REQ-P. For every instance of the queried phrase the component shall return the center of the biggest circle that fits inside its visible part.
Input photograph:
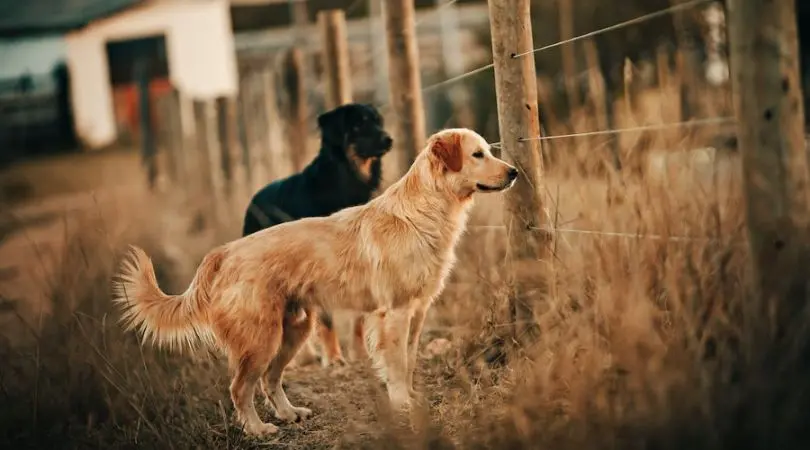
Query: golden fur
(256, 297)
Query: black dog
(346, 172)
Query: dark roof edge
(26, 30)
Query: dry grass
(644, 342)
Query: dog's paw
(335, 363)
(401, 403)
(295, 414)
(416, 397)
(261, 429)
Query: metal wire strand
(617, 26)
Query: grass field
(644, 342)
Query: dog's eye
(478, 154)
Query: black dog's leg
(326, 328)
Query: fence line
(619, 234)
(620, 25)
(664, 126)
(617, 26)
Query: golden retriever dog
(257, 298)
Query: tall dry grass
(649, 334)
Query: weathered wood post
(272, 159)
(148, 145)
(226, 160)
(405, 84)
(335, 45)
(770, 114)
(169, 113)
(214, 152)
(199, 154)
(297, 94)
(379, 61)
(518, 119)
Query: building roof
(29, 17)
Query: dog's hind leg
(249, 369)
(294, 336)
(387, 339)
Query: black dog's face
(356, 127)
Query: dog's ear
(447, 149)
(333, 127)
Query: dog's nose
(513, 173)
(387, 141)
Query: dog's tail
(167, 320)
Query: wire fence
(703, 122)
(618, 26)
(694, 123)
(608, 233)
(657, 127)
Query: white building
(196, 35)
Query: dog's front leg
(417, 321)
(387, 339)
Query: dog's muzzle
(511, 176)
(386, 143)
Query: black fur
(331, 182)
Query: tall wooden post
(174, 138)
(404, 80)
(518, 118)
(148, 145)
(379, 57)
(770, 114)
(335, 45)
(226, 159)
(296, 90)
(272, 159)
(301, 29)
(198, 156)
(240, 117)
(214, 150)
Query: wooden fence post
(215, 166)
(770, 114)
(296, 89)
(271, 157)
(336, 69)
(379, 61)
(518, 118)
(148, 145)
(226, 159)
(403, 78)
(241, 129)
(171, 135)
(199, 154)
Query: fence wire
(616, 234)
(635, 21)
